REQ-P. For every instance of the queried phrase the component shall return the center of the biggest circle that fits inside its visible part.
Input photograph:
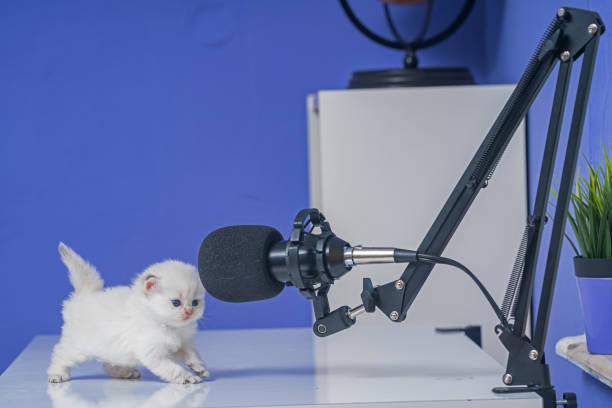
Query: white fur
(125, 326)
(83, 276)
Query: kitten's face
(174, 292)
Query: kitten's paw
(187, 379)
(200, 370)
(58, 378)
(122, 372)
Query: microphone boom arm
(574, 33)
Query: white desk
(407, 366)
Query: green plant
(591, 215)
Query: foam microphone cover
(233, 263)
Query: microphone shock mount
(312, 239)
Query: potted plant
(591, 221)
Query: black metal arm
(574, 33)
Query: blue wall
(131, 129)
(516, 26)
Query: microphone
(251, 262)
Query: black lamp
(410, 75)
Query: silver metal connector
(359, 255)
(353, 313)
(348, 256)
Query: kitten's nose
(189, 310)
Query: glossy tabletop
(398, 366)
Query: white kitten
(150, 323)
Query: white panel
(314, 150)
(389, 159)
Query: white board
(383, 163)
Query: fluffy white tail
(83, 276)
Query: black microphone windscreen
(233, 263)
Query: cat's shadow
(262, 372)
(217, 374)
(146, 376)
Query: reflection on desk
(126, 393)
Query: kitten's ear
(150, 283)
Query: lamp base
(411, 77)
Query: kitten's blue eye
(195, 302)
(176, 302)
